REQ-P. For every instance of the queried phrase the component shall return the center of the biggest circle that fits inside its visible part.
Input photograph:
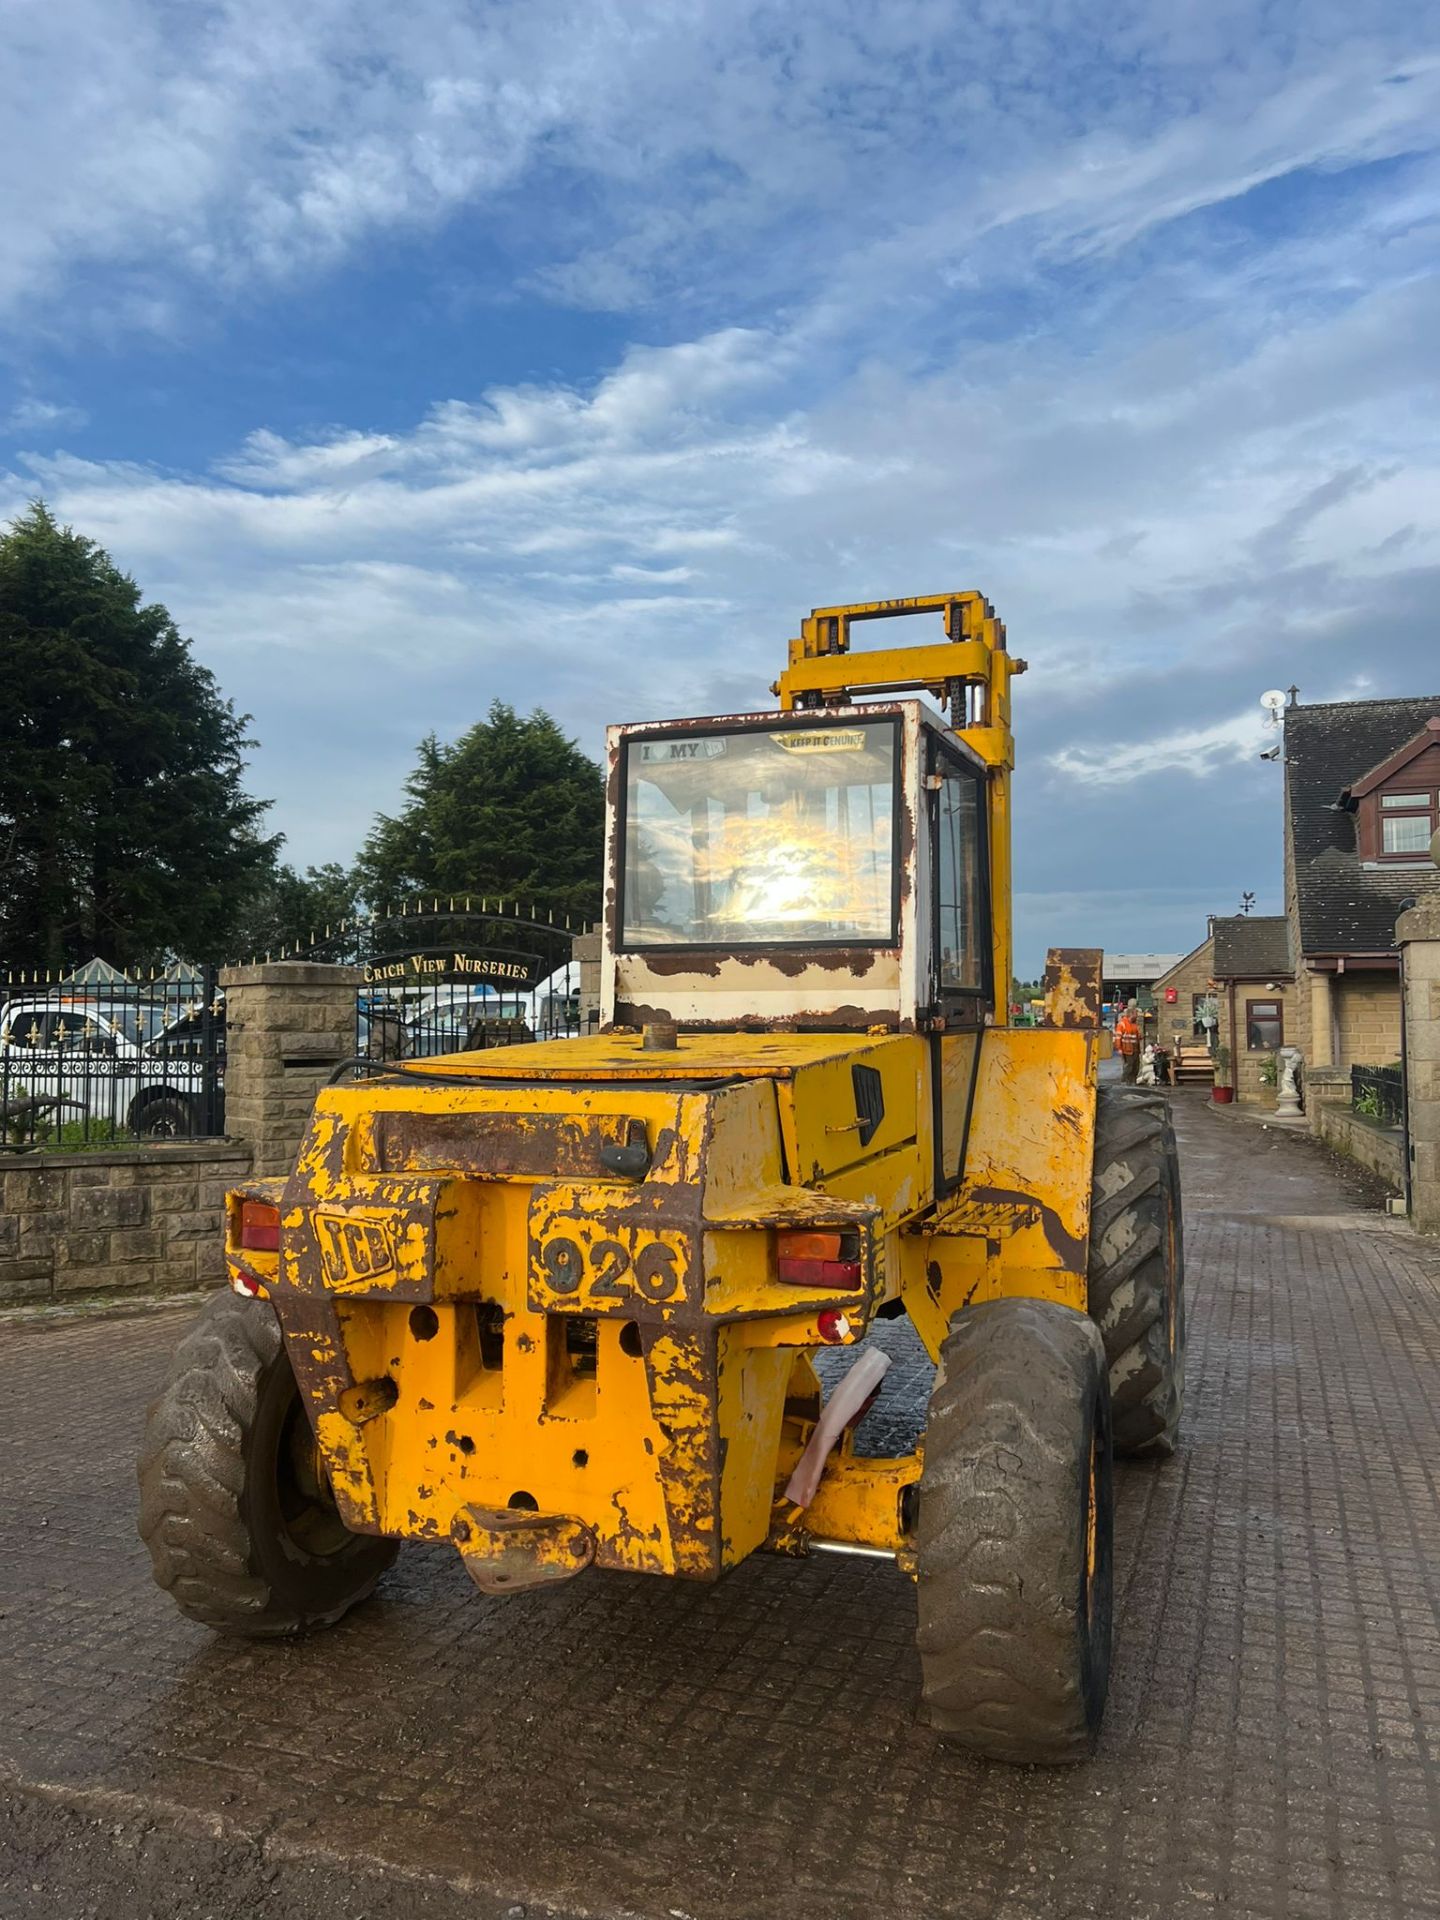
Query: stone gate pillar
(288, 1025)
(1417, 934)
(587, 957)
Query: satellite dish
(1273, 702)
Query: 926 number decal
(610, 1269)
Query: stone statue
(1287, 1106)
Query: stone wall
(1381, 1149)
(152, 1217)
(1418, 934)
(140, 1217)
(587, 957)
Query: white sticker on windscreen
(667, 752)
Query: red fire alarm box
(1172, 994)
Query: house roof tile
(1251, 947)
(1345, 906)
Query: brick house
(1243, 967)
(1181, 992)
(1362, 800)
(1255, 995)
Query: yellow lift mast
(562, 1304)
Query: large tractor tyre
(1137, 1267)
(1013, 1534)
(235, 1506)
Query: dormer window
(1397, 804)
(1407, 820)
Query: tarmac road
(628, 1747)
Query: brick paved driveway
(624, 1746)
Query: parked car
(68, 1057)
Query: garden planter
(1222, 1096)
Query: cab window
(961, 931)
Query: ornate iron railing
(110, 1061)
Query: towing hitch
(508, 1549)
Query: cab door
(962, 964)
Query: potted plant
(1222, 1093)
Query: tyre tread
(192, 1473)
(998, 1633)
(1136, 1175)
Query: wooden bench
(1194, 1066)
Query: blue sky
(570, 352)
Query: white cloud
(32, 415)
(1193, 750)
(266, 460)
(222, 147)
(931, 296)
(645, 540)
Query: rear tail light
(829, 1258)
(259, 1227)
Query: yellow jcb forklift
(559, 1304)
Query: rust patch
(314, 1348)
(1072, 987)
(506, 1551)
(368, 1399)
(636, 1013)
(667, 963)
(613, 797)
(544, 1146)
(907, 846)
(682, 1373)
(846, 1019)
(792, 962)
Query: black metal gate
(99, 1058)
(453, 975)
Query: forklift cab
(802, 870)
(838, 865)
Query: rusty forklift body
(559, 1303)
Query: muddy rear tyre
(1014, 1534)
(1137, 1266)
(242, 1530)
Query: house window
(1264, 1025)
(1407, 821)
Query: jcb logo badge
(354, 1252)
